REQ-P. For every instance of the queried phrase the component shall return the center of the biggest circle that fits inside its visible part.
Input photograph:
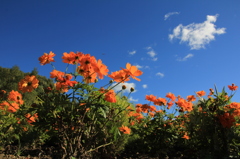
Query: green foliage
(83, 124)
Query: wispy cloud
(185, 58)
(160, 74)
(197, 35)
(128, 85)
(149, 48)
(133, 100)
(141, 66)
(138, 66)
(144, 86)
(166, 16)
(152, 53)
(132, 52)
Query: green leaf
(103, 112)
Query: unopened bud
(124, 87)
(211, 90)
(131, 89)
(111, 81)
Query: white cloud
(138, 66)
(128, 85)
(197, 35)
(160, 74)
(185, 58)
(141, 67)
(166, 16)
(149, 48)
(144, 86)
(132, 52)
(151, 53)
(133, 100)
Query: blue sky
(181, 46)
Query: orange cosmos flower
(11, 107)
(145, 107)
(171, 96)
(138, 116)
(160, 101)
(89, 75)
(151, 114)
(170, 104)
(125, 129)
(101, 69)
(150, 98)
(61, 87)
(46, 58)
(87, 61)
(132, 123)
(235, 106)
(64, 83)
(132, 71)
(184, 105)
(28, 84)
(90, 79)
(31, 118)
(71, 58)
(57, 74)
(16, 97)
(227, 120)
(185, 136)
(152, 108)
(191, 98)
(201, 93)
(119, 76)
(233, 87)
(110, 96)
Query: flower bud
(124, 87)
(131, 89)
(211, 90)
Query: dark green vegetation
(82, 124)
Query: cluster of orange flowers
(63, 80)
(145, 108)
(14, 99)
(227, 120)
(124, 74)
(88, 67)
(185, 105)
